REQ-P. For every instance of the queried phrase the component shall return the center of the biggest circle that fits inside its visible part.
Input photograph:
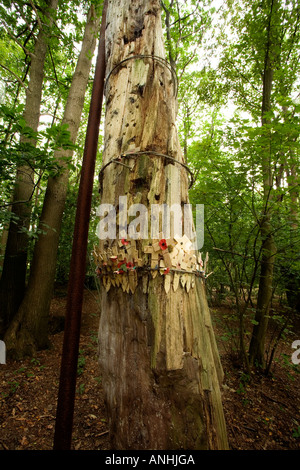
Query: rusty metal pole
(68, 372)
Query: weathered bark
(158, 357)
(265, 289)
(12, 284)
(29, 330)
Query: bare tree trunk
(29, 330)
(158, 357)
(12, 284)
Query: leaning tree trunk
(159, 362)
(12, 284)
(29, 329)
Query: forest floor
(263, 414)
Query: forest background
(237, 64)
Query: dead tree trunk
(158, 357)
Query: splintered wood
(119, 265)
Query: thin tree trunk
(158, 357)
(265, 290)
(293, 186)
(292, 282)
(29, 331)
(4, 236)
(12, 284)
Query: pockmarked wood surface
(160, 366)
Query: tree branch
(36, 13)
(232, 253)
(15, 75)
(27, 52)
